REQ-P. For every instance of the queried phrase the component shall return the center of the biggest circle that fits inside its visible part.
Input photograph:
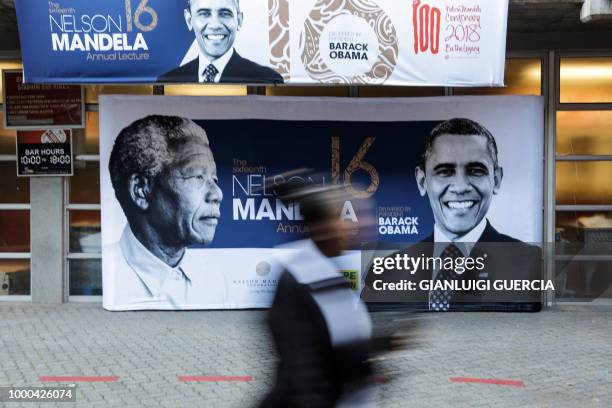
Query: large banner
(190, 217)
(378, 42)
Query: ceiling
(7, 16)
(549, 24)
(532, 24)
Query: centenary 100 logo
(426, 26)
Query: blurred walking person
(322, 330)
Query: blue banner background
(167, 42)
(281, 146)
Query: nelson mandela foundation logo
(261, 283)
(349, 42)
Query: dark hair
(235, 1)
(145, 147)
(317, 202)
(459, 127)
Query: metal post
(48, 274)
(551, 92)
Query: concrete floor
(558, 358)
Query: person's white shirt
(342, 309)
(135, 279)
(142, 279)
(219, 63)
(464, 243)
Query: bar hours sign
(44, 153)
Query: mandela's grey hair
(145, 147)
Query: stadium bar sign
(40, 106)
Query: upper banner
(378, 42)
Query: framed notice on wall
(44, 153)
(36, 106)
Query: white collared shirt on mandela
(201, 283)
(142, 279)
(220, 63)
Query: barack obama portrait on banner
(460, 175)
(215, 24)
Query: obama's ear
(187, 15)
(498, 175)
(419, 174)
(240, 20)
(139, 188)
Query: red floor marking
(378, 379)
(214, 378)
(49, 378)
(511, 383)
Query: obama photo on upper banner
(215, 24)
